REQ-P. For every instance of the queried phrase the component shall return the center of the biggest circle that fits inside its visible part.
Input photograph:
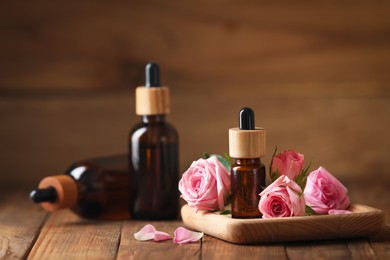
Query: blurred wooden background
(316, 74)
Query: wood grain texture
(20, 223)
(357, 248)
(214, 248)
(380, 243)
(66, 236)
(152, 101)
(318, 250)
(130, 248)
(363, 222)
(346, 136)
(247, 143)
(73, 45)
(360, 248)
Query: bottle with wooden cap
(246, 147)
(95, 188)
(153, 152)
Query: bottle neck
(247, 161)
(153, 119)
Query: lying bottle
(94, 188)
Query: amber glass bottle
(153, 153)
(246, 146)
(95, 188)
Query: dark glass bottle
(246, 146)
(153, 153)
(248, 181)
(94, 188)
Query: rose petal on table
(184, 236)
(146, 233)
(161, 236)
(339, 212)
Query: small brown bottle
(246, 147)
(153, 153)
(95, 188)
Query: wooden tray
(363, 221)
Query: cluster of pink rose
(206, 186)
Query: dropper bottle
(246, 147)
(153, 152)
(95, 188)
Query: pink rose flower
(289, 163)
(324, 192)
(282, 199)
(206, 185)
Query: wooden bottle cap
(152, 100)
(246, 143)
(67, 192)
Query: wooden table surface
(26, 231)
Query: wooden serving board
(363, 221)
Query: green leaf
(225, 212)
(206, 155)
(228, 158)
(310, 211)
(274, 175)
(302, 176)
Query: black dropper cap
(247, 119)
(152, 75)
(44, 195)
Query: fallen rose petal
(339, 212)
(146, 233)
(161, 236)
(149, 232)
(184, 236)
